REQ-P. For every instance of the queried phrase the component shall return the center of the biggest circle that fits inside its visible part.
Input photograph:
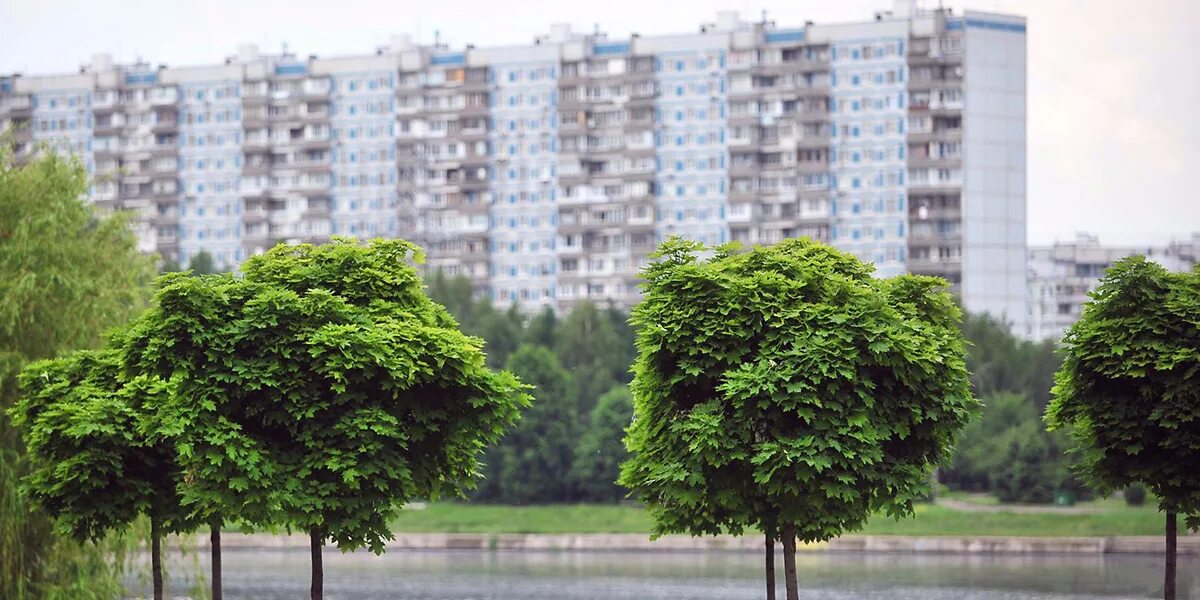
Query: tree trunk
(318, 573)
(1169, 581)
(156, 558)
(216, 559)
(789, 562)
(770, 567)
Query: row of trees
(782, 389)
(1007, 451)
(321, 391)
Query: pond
(474, 575)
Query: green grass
(930, 520)
(983, 499)
(939, 520)
(555, 518)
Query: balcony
(254, 215)
(934, 266)
(933, 186)
(314, 89)
(926, 161)
(18, 108)
(164, 148)
(950, 78)
(164, 96)
(946, 134)
(165, 126)
(314, 116)
(256, 142)
(110, 127)
(104, 102)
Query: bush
(1135, 495)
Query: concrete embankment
(1188, 545)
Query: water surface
(511, 575)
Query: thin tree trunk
(216, 559)
(770, 567)
(1169, 581)
(789, 562)
(156, 558)
(318, 573)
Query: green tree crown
(322, 390)
(96, 460)
(1129, 388)
(786, 385)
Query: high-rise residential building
(548, 172)
(1061, 276)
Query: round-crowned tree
(322, 390)
(786, 389)
(97, 459)
(1129, 389)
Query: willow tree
(97, 461)
(786, 389)
(55, 296)
(321, 391)
(1129, 390)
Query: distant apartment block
(1061, 276)
(547, 172)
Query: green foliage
(500, 330)
(1102, 518)
(202, 264)
(543, 329)
(1135, 495)
(456, 294)
(600, 451)
(97, 462)
(595, 346)
(55, 296)
(321, 391)
(589, 345)
(1026, 471)
(1129, 389)
(1008, 452)
(66, 274)
(1000, 362)
(787, 386)
(533, 462)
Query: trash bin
(1065, 498)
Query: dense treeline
(568, 445)
(1007, 451)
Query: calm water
(453, 575)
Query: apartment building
(548, 172)
(1062, 275)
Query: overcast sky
(1114, 87)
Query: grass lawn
(1113, 519)
(939, 520)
